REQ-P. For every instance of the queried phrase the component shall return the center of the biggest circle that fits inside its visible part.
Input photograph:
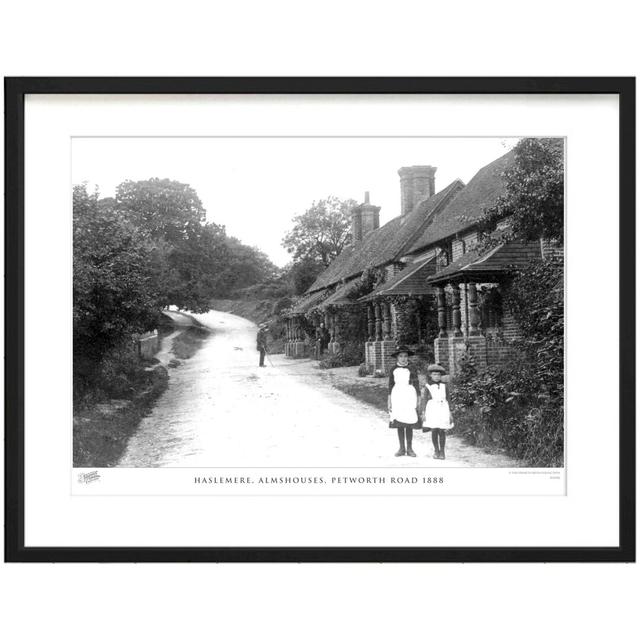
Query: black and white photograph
(345, 317)
(318, 302)
(312, 307)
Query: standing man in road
(261, 342)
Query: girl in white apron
(404, 391)
(437, 415)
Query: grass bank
(101, 430)
(255, 310)
(375, 396)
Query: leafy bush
(417, 321)
(488, 412)
(119, 374)
(281, 305)
(369, 279)
(520, 405)
(535, 297)
(363, 370)
(350, 355)
(534, 191)
(332, 361)
(269, 290)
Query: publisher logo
(88, 477)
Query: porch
(472, 317)
(399, 311)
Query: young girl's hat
(402, 349)
(435, 368)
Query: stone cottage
(428, 284)
(375, 252)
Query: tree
(533, 201)
(321, 232)
(244, 266)
(115, 268)
(145, 249)
(302, 274)
(193, 253)
(534, 191)
(194, 268)
(166, 208)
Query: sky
(255, 186)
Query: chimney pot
(416, 183)
(365, 218)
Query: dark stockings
(434, 439)
(409, 434)
(439, 439)
(443, 439)
(403, 433)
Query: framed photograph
(320, 319)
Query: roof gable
(386, 244)
(468, 206)
(501, 258)
(411, 281)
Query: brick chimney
(416, 183)
(364, 218)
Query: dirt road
(222, 410)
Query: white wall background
(329, 38)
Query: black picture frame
(15, 91)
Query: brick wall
(457, 249)
(498, 350)
(551, 249)
(441, 352)
(500, 339)
(470, 240)
(378, 355)
(463, 244)
(510, 327)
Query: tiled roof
(468, 206)
(411, 281)
(340, 296)
(304, 304)
(386, 244)
(498, 259)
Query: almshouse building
(420, 279)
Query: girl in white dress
(437, 415)
(402, 402)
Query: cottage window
(443, 257)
